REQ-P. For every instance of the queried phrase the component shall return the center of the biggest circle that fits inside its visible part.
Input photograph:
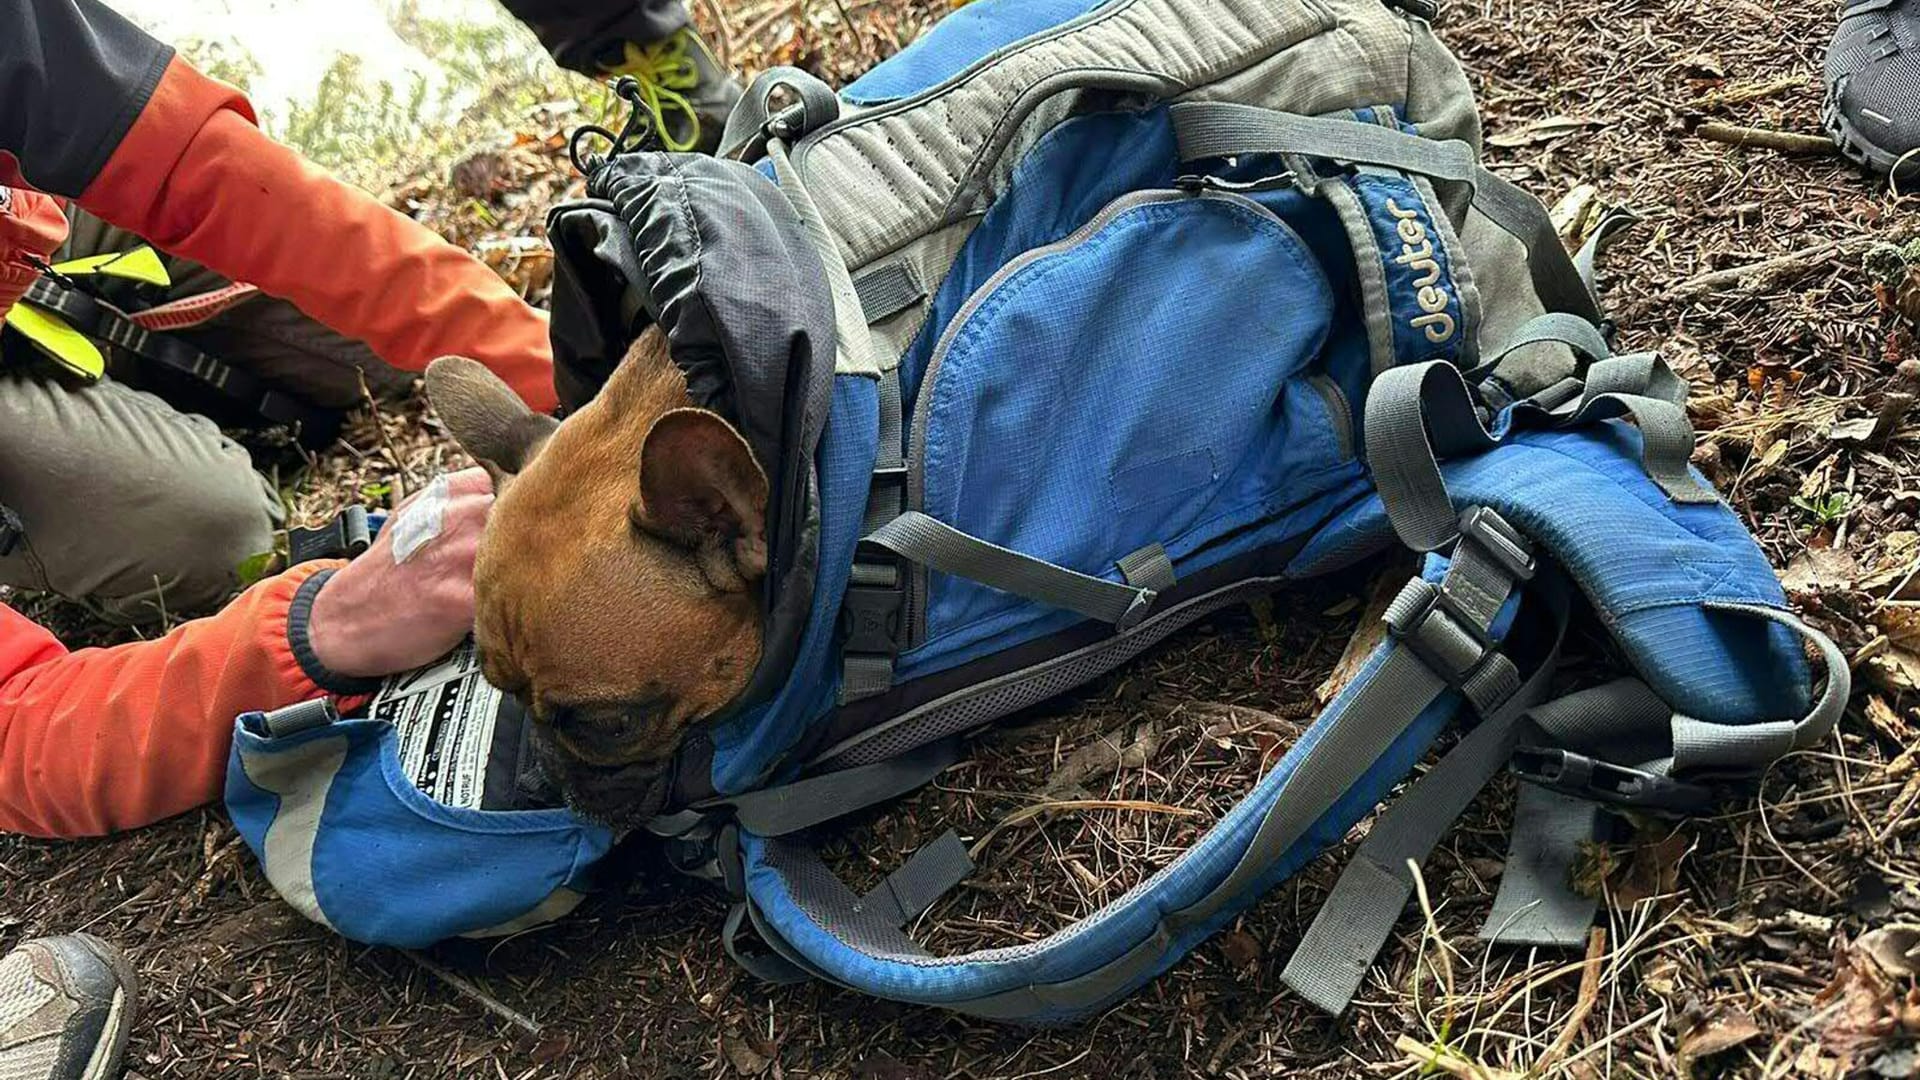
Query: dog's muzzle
(619, 797)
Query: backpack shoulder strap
(1443, 649)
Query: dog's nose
(611, 735)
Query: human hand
(407, 600)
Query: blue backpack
(1067, 326)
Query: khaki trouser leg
(129, 506)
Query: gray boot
(66, 1005)
(1873, 85)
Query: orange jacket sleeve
(194, 176)
(104, 739)
(32, 226)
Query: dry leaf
(1895, 671)
(1113, 750)
(1542, 131)
(748, 1052)
(1575, 213)
(1894, 568)
(1386, 585)
(1241, 950)
(1900, 621)
(1866, 1007)
(1895, 948)
(1716, 1036)
(1653, 869)
(1888, 722)
(1817, 570)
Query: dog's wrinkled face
(617, 581)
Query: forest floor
(1773, 939)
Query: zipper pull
(1201, 183)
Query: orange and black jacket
(94, 110)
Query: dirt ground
(1734, 945)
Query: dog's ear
(485, 416)
(700, 486)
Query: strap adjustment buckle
(1582, 776)
(1432, 627)
(1504, 543)
(343, 537)
(870, 618)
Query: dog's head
(617, 581)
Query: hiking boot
(1873, 85)
(66, 1005)
(682, 84)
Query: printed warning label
(445, 715)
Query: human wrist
(321, 639)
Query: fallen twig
(1744, 92)
(1768, 273)
(1787, 142)
(470, 990)
(1583, 1005)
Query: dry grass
(1729, 943)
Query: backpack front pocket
(1144, 380)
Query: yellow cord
(664, 70)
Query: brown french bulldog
(616, 582)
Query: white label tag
(444, 715)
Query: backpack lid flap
(712, 253)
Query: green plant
(1823, 511)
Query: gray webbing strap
(763, 963)
(935, 544)
(1416, 415)
(1643, 386)
(1536, 903)
(1378, 711)
(1222, 129)
(802, 804)
(1446, 625)
(753, 120)
(1148, 568)
(853, 345)
(1700, 744)
(1419, 414)
(1626, 722)
(1576, 333)
(875, 604)
(1358, 916)
(921, 880)
(888, 289)
(1610, 226)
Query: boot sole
(1860, 149)
(105, 1061)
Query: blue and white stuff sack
(411, 823)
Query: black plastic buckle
(344, 537)
(1584, 777)
(870, 619)
(13, 531)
